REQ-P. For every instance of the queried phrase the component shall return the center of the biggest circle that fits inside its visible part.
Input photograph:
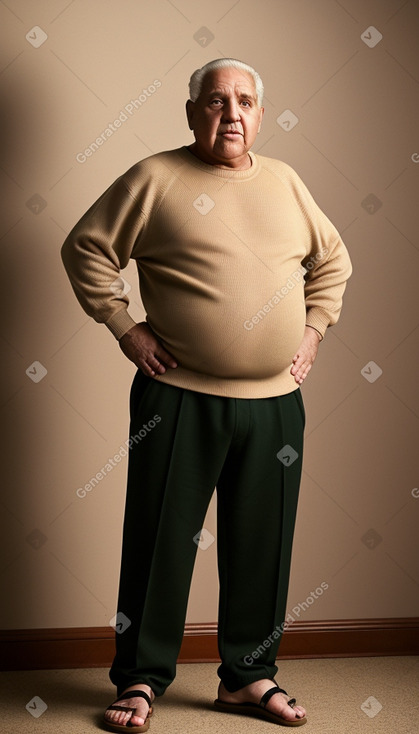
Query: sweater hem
(271, 387)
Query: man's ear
(262, 110)
(189, 113)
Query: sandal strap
(268, 695)
(121, 708)
(133, 694)
(271, 692)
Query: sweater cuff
(317, 319)
(120, 323)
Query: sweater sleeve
(96, 250)
(325, 282)
(327, 264)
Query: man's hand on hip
(142, 347)
(305, 355)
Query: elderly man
(240, 275)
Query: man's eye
(216, 102)
(246, 102)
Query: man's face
(225, 118)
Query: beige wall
(356, 136)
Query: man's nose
(231, 111)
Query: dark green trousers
(187, 443)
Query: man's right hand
(142, 347)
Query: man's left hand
(305, 355)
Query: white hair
(197, 78)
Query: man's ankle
(139, 686)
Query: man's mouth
(230, 133)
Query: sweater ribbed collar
(225, 173)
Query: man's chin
(230, 146)
(228, 153)
(230, 158)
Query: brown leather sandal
(110, 726)
(259, 709)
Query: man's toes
(114, 717)
(282, 708)
(299, 711)
(288, 713)
(122, 717)
(137, 720)
(119, 717)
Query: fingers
(301, 367)
(165, 357)
(157, 363)
(303, 359)
(151, 367)
(140, 345)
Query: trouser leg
(171, 477)
(257, 503)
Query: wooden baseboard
(93, 647)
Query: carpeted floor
(342, 696)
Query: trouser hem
(122, 685)
(235, 683)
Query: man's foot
(277, 704)
(142, 709)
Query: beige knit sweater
(232, 265)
